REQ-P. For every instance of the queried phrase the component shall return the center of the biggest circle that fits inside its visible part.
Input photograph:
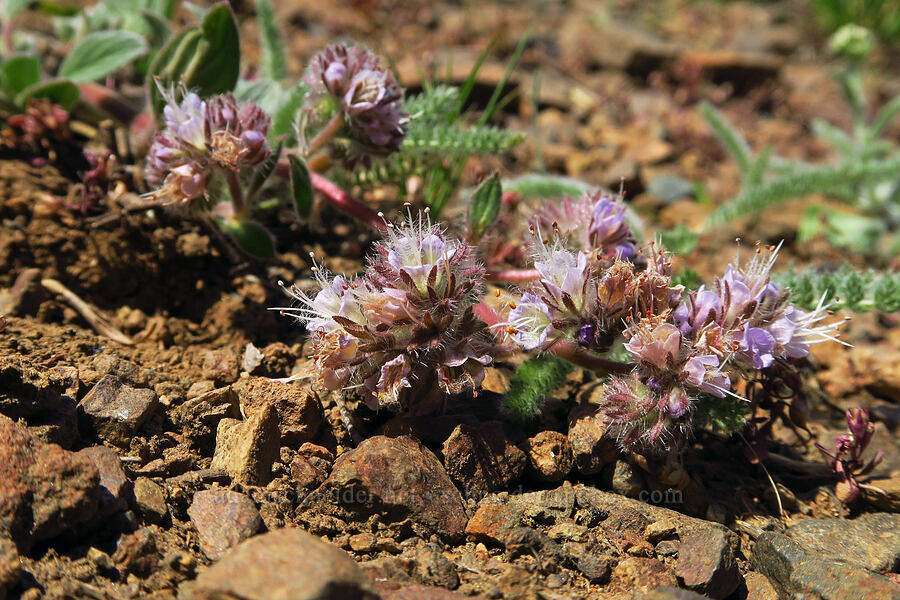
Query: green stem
(327, 133)
(237, 195)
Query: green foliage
(689, 278)
(845, 287)
(274, 60)
(301, 187)
(251, 237)
(867, 174)
(721, 414)
(203, 57)
(680, 240)
(484, 207)
(535, 379)
(881, 16)
(101, 54)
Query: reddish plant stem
(331, 129)
(513, 275)
(573, 353)
(109, 102)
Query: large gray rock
(286, 564)
(872, 541)
(398, 479)
(796, 573)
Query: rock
(434, 569)
(137, 553)
(9, 566)
(299, 410)
(666, 592)
(150, 499)
(395, 591)
(246, 450)
(221, 366)
(492, 523)
(592, 449)
(795, 573)
(363, 542)
(707, 562)
(198, 417)
(44, 490)
(871, 541)
(887, 497)
(198, 388)
(281, 565)
(481, 459)
(115, 489)
(44, 398)
(641, 575)
(567, 531)
(223, 519)
(758, 587)
(596, 568)
(397, 478)
(432, 430)
(305, 474)
(114, 411)
(549, 455)
(626, 480)
(25, 295)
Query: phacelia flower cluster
(596, 223)
(367, 94)
(405, 330)
(744, 324)
(201, 136)
(686, 348)
(847, 459)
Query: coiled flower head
(595, 223)
(200, 136)
(367, 94)
(405, 330)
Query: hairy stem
(328, 132)
(512, 275)
(574, 353)
(345, 202)
(237, 195)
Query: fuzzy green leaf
(61, 91)
(19, 72)
(274, 61)
(484, 207)
(533, 382)
(100, 54)
(733, 141)
(301, 186)
(251, 237)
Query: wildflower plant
(847, 461)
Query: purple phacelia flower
(200, 136)
(405, 331)
(367, 94)
(530, 322)
(643, 419)
(847, 461)
(595, 223)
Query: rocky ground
(168, 464)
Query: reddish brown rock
(481, 459)
(221, 366)
(282, 564)
(707, 562)
(198, 417)
(115, 489)
(150, 500)
(299, 410)
(9, 565)
(492, 523)
(44, 490)
(641, 574)
(137, 553)
(398, 479)
(592, 448)
(549, 455)
(223, 519)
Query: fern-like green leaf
(730, 137)
(453, 141)
(535, 379)
(803, 183)
(845, 287)
(437, 104)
